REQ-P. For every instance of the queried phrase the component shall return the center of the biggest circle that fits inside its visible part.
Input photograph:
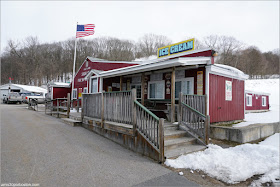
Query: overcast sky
(252, 22)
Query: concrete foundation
(244, 134)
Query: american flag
(85, 30)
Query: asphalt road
(40, 149)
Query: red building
(58, 90)
(195, 74)
(93, 66)
(256, 101)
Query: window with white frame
(156, 90)
(248, 100)
(85, 90)
(138, 90)
(263, 101)
(94, 88)
(185, 86)
(74, 93)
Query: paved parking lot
(36, 148)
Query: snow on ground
(263, 85)
(235, 164)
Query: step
(172, 134)
(174, 153)
(178, 143)
(71, 122)
(170, 126)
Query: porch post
(121, 82)
(173, 95)
(142, 88)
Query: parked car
(24, 96)
(40, 98)
(12, 97)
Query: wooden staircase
(177, 142)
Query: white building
(7, 88)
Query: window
(156, 90)
(263, 101)
(248, 100)
(74, 93)
(138, 90)
(94, 85)
(85, 90)
(184, 85)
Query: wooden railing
(58, 105)
(194, 121)
(198, 102)
(92, 105)
(118, 106)
(150, 127)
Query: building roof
(28, 88)
(227, 71)
(160, 63)
(257, 93)
(59, 84)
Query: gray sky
(252, 22)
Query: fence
(198, 102)
(122, 107)
(92, 105)
(118, 106)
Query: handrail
(147, 110)
(194, 110)
(150, 127)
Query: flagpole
(73, 75)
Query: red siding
(257, 102)
(79, 81)
(220, 109)
(60, 92)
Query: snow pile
(270, 86)
(153, 57)
(235, 164)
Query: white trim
(92, 71)
(74, 89)
(207, 88)
(217, 70)
(100, 84)
(249, 100)
(152, 82)
(91, 80)
(264, 99)
(52, 94)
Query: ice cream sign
(180, 47)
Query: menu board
(200, 83)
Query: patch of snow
(191, 171)
(235, 164)
(181, 173)
(73, 110)
(153, 57)
(270, 86)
